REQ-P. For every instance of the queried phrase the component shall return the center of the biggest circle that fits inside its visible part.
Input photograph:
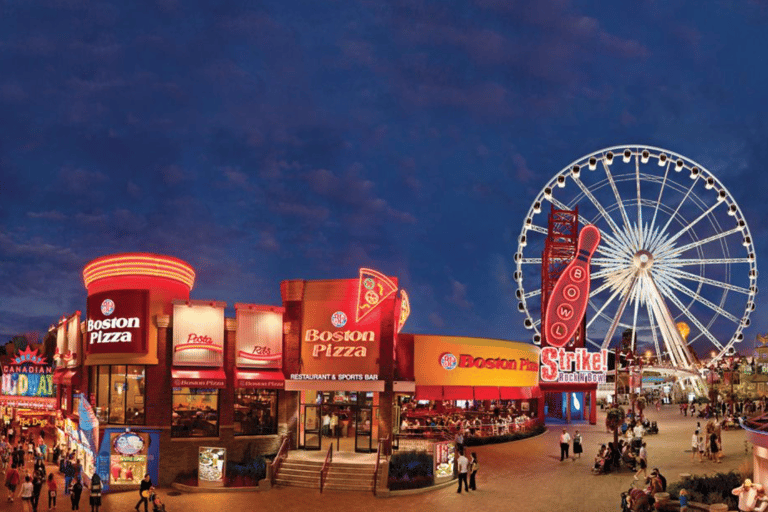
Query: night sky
(263, 141)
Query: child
(683, 500)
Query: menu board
(445, 453)
(211, 466)
(128, 457)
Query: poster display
(128, 457)
(445, 453)
(212, 463)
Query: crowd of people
(473, 422)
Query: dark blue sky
(263, 141)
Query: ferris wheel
(675, 251)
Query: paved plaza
(524, 475)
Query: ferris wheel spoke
(602, 262)
(674, 214)
(672, 338)
(605, 304)
(676, 251)
(671, 296)
(658, 201)
(681, 262)
(619, 201)
(528, 261)
(653, 331)
(687, 227)
(634, 316)
(619, 313)
(682, 274)
(600, 208)
(611, 252)
(537, 229)
(639, 199)
(674, 283)
(534, 293)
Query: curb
(196, 489)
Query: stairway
(342, 476)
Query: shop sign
(459, 361)
(128, 444)
(341, 338)
(259, 337)
(73, 340)
(28, 374)
(579, 365)
(128, 457)
(211, 466)
(117, 322)
(198, 335)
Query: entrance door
(312, 425)
(363, 421)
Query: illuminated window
(195, 412)
(255, 412)
(119, 391)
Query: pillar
(593, 407)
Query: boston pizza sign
(117, 322)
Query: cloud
(80, 181)
(458, 295)
(47, 215)
(436, 320)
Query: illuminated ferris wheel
(675, 249)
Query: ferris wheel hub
(643, 259)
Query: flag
(89, 423)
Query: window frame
(175, 435)
(95, 385)
(256, 391)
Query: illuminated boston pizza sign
(117, 322)
(579, 365)
(340, 336)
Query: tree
(613, 420)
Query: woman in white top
(26, 494)
(694, 446)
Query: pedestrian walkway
(524, 475)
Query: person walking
(77, 491)
(694, 445)
(473, 467)
(95, 489)
(37, 486)
(26, 494)
(144, 487)
(12, 479)
(463, 464)
(460, 440)
(69, 472)
(577, 448)
(714, 447)
(10, 434)
(642, 459)
(53, 488)
(565, 443)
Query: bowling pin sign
(568, 301)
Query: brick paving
(524, 475)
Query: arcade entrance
(348, 419)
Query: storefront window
(119, 391)
(255, 412)
(195, 412)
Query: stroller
(157, 504)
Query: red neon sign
(569, 298)
(373, 287)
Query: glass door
(363, 421)
(312, 426)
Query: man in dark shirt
(144, 487)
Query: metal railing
(282, 454)
(378, 457)
(326, 466)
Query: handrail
(378, 456)
(326, 466)
(282, 453)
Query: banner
(89, 423)
(259, 337)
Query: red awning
(429, 392)
(198, 378)
(508, 393)
(486, 393)
(458, 393)
(71, 378)
(260, 380)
